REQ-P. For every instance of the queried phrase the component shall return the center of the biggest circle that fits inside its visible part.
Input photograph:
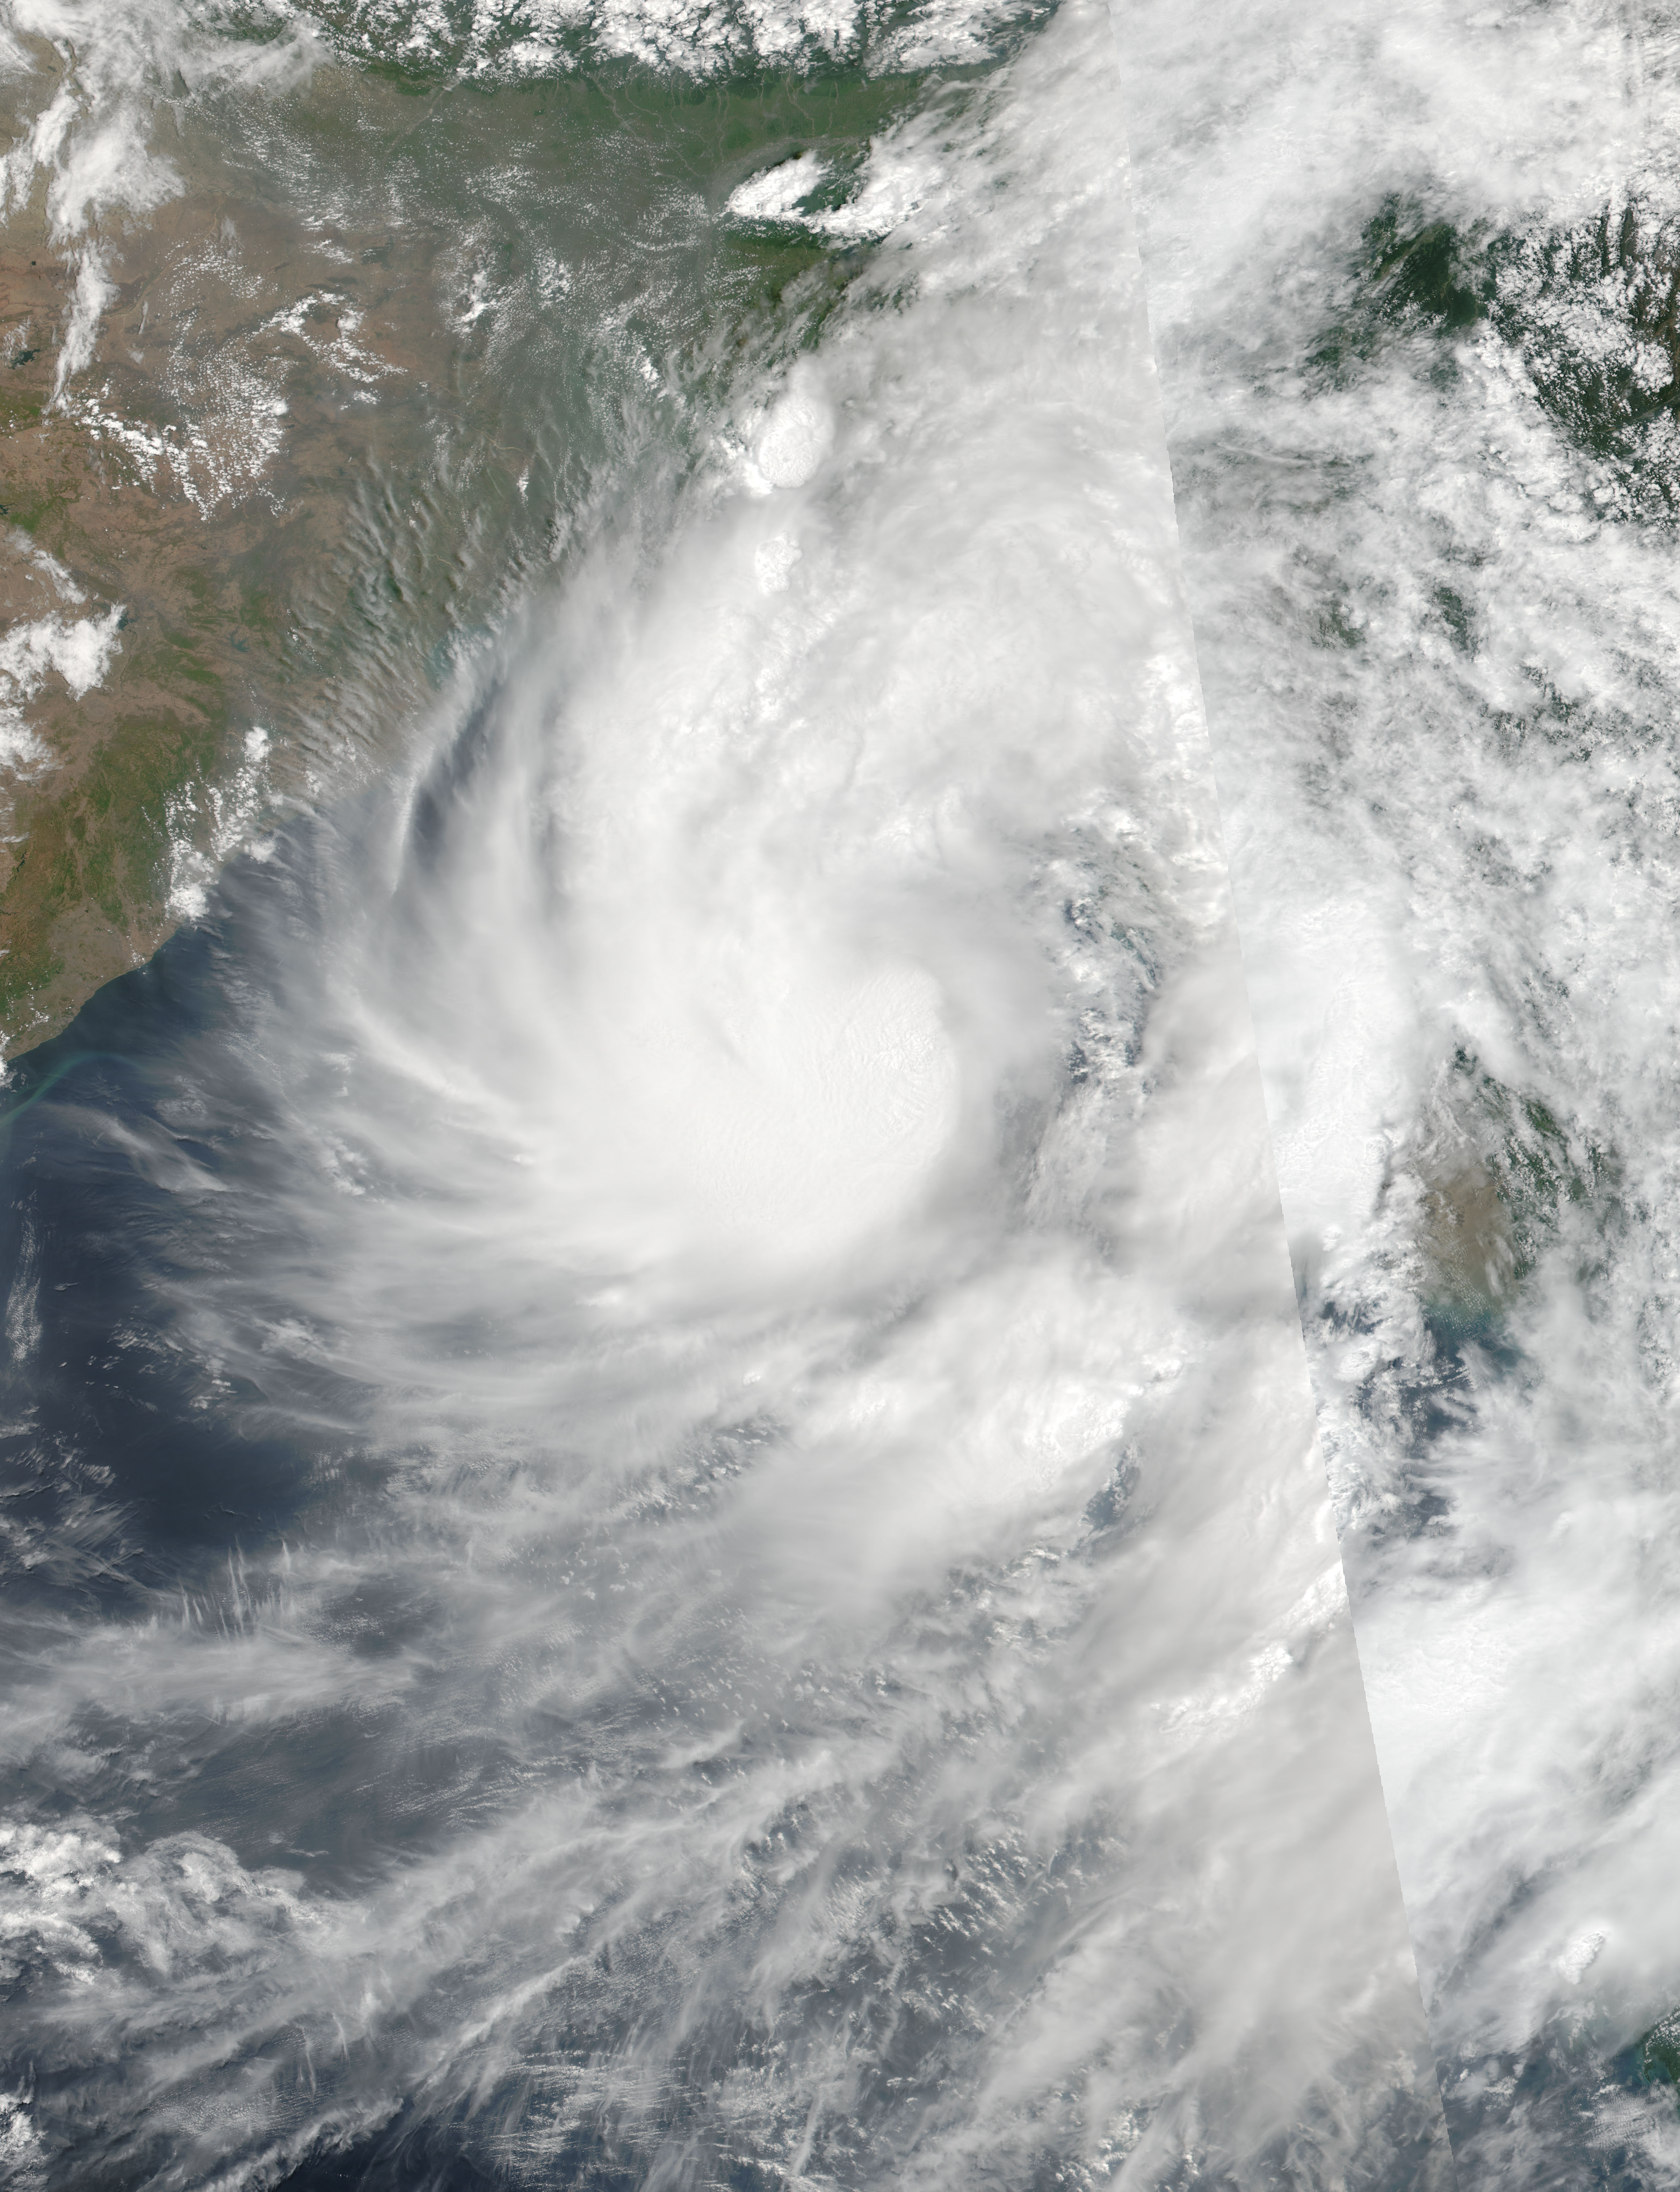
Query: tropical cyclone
(301, 387)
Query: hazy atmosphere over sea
(839, 1178)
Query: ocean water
(664, 1522)
(1410, 277)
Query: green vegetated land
(1593, 309)
(313, 460)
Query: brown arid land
(254, 394)
(334, 413)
